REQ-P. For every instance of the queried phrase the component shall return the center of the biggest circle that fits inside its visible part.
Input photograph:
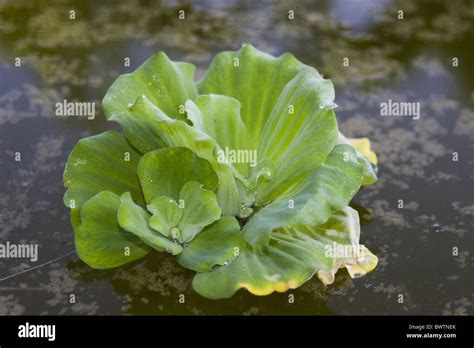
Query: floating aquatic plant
(243, 175)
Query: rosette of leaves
(161, 186)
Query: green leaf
(173, 132)
(133, 218)
(366, 157)
(228, 191)
(100, 242)
(255, 79)
(164, 172)
(165, 83)
(176, 133)
(218, 244)
(342, 234)
(200, 210)
(285, 110)
(104, 162)
(291, 258)
(75, 218)
(219, 117)
(329, 188)
(166, 215)
(290, 139)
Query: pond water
(425, 248)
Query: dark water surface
(405, 60)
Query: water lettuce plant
(180, 179)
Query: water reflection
(155, 284)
